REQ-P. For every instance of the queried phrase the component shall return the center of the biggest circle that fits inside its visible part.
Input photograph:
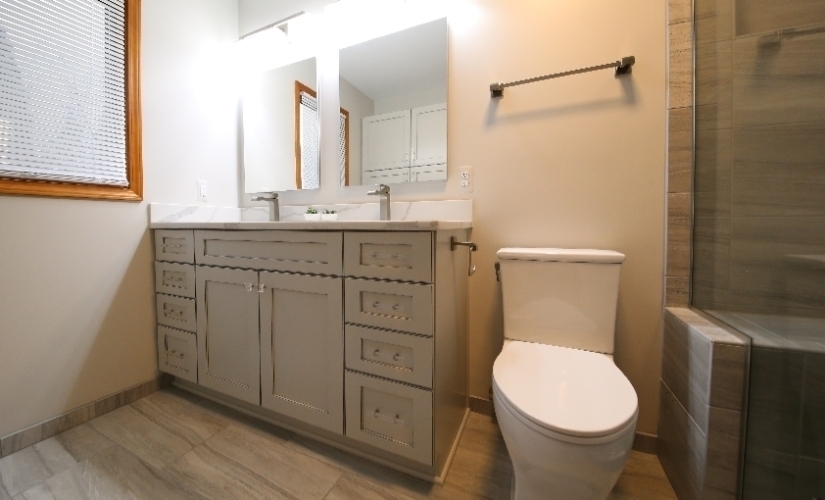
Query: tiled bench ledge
(702, 402)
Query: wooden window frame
(134, 148)
(300, 87)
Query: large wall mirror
(281, 130)
(393, 92)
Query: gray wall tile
(775, 400)
(762, 272)
(714, 164)
(810, 479)
(686, 369)
(680, 150)
(682, 447)
(677, 291)
(679, 11)
(680, 66)
(723, 452)
(813, 408)
(727, 386)
(758, 16)
(678, 234)
(714, 20)
(769, 475)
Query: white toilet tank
(562, 297)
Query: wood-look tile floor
(173, 445)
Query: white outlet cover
(466, 176)
(201, 192)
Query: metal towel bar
(623, 67)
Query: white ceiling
(401, 63)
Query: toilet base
(545, 468)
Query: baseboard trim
(40, 432)
(645, 443)
(482, 406)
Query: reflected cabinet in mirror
(281, 130)
(394, 90)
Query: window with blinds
(308, 155)
(64, 95)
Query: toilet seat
(568, 394)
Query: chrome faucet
(274, 212)
(384, 192)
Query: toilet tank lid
(562, 255)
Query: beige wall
(575, 162)
(76, 298)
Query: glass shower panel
(759, 223)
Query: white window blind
(310, 144)
(342, 148)
(62, 91)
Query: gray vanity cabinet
(302, 348)
(355, 337)
(228, 339)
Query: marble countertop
(342, 225)
(407, 216)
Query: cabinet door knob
(376, 352)
(261, 288)
(397, 357)
(248, 286)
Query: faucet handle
(272, 197)
(383, 189)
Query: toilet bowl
(566, 412)
(568, 418)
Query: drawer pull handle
(172, 246)
(376, 353)
(397, 357)
(378, 305)
(174, 354)
(392, 256)
(396, 420)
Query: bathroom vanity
(353, 333)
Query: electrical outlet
(466, 179)
(202, 191)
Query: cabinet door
(386, 141)
(429, 135)
(228, 339)
(429, 173)
(302, 348)
(394, 176)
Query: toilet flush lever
(471, 269)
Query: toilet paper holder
(471, 269)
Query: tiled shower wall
(760, 181)
(704, 365)
(680, 153)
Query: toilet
(567, 413)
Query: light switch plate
(202, 191)
(465, 180)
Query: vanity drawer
(394, 256)
(176, 312)
(399, 356)
(308, 252)
(175, 246)
(405, 307)
(175, 279)
(394, 417)
(178, 353)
